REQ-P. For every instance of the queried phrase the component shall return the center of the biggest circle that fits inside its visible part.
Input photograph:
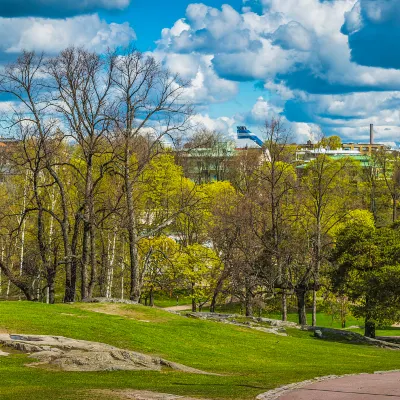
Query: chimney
(371, 134)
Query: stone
(266, 325)
(109, 300)
(81, 355)
(318, 334)
(351, 337)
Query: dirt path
(379, 386)
(178, 308)
(139, 395)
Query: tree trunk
(369, 329)
(317, 267)
(248, 304)
(284, 305)
(110, 272)
(132, 230)
(314, 308)
(25, 288)
(93, 261)
(2, 260)
(194, 307)
(123, 271)
(301, 305)
(216, 293)
(51, 289)
(151, 297)
(84, 263)
(71, 278)
(87, 238)
(70, 271)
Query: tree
(277, 178)
(366, 269)
(24, 80)
(331, 142)
(149, 107)
(326, 187)
(199, 268)
(82, 87)
(389, 164)
(157, 273)
(222, 229)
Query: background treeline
(101, 197)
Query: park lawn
(249, 361)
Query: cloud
(205, 86)
(293, 36)
(349, 115)
(56, 8)
(310, 56)
(261, 111)
(51, 35)
(223, 125)
(373, 30)
(208, 30)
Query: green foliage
(198, 268)
(333, 142)
(367, 269)
(157, 256)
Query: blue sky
(150, 17)
(328, 66)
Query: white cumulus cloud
(50, 35)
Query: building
(365, 148)
(212, 160)
(360, 151)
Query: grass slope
(252, 362)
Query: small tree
(199, 268)
(331, 142)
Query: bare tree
(81, 84)
(327, 190)
(277, 179)
(34, 126)
(149, 107)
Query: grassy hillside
(251, 362)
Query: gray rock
(81, 355)
(261, 324)
(109, 300)
(318, 334)
(351, 337)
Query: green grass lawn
(173, 301)
(250, 362)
